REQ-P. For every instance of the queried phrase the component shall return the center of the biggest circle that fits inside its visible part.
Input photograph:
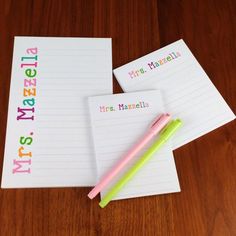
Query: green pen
(165, 134)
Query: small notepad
(48, 141)
(118, 122)
(187, 90)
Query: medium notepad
(187, 91)
(118, 122)
(48, 141)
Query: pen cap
(159, 123)
(170, 129)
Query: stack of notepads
(66, 128)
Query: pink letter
(19, 164)
(131, 74)
(32, 50)
(31, 64)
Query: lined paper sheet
(187, 90)
(50, 145)
(117, 127)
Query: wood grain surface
(206, 166)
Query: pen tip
(178, 121)
(92, 194)
(101, 204)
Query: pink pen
(155, 127)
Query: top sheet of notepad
(48, 141)
(188, 92)
(118, 122)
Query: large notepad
(187, 90)
(48, 140)
(118, 122)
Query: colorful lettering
(154, 64)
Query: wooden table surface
(206, 166)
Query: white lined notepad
(188, 92)
(50, 145)
(116, 127)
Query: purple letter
(23, 113)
